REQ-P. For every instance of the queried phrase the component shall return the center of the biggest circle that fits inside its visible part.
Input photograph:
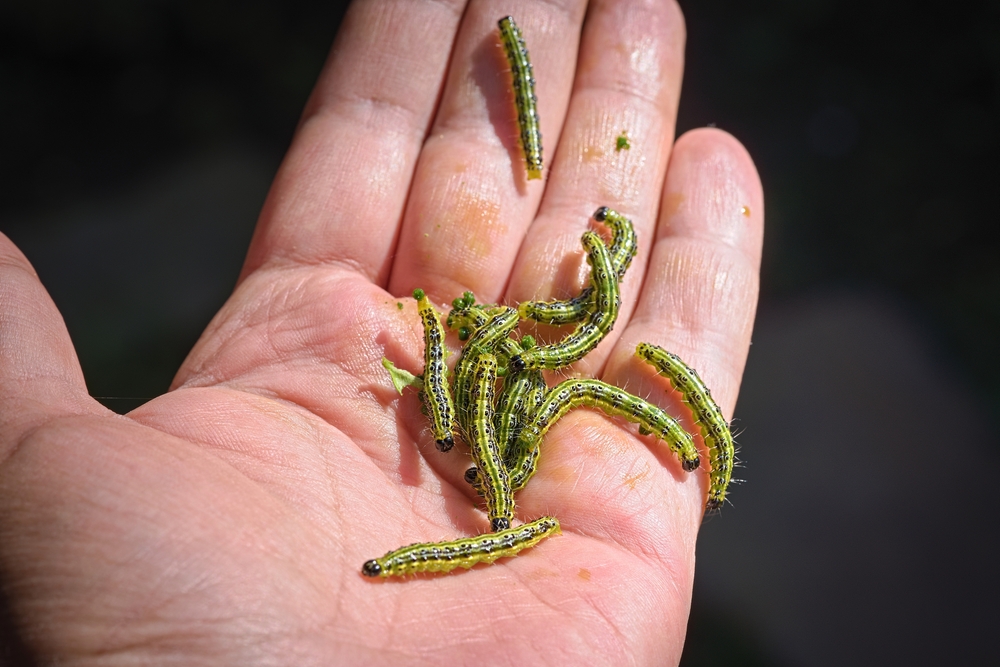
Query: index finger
(340, 191)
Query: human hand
(226, 521)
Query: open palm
(226, 521)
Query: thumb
(40, 375)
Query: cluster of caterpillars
(504, 430)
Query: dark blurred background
(139, 139)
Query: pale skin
(226, 521)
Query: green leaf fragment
(402, 379)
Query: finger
(628, 82)
(700, 292)
(339, 194)
(40, 376)
(698, 301)
(471, 200)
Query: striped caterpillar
(435, 394)
(523, 456)
(714, 429)
(485, 452)
(604, 307)
(465, 552)
(622, 249)
(524, 95)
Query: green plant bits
(622, 250)
(593, 329)
(714, 428)
(525, 101)
(610, 399)
(401, 379)
(464, 553)
(436, 394)
(485, 452)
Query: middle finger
(470, 201)
(627, 85)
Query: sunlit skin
(226, 522)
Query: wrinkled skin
(226, 521)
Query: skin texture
(226, 521)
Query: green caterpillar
(466, 552)
(435, 394)
(606, 302)
(567, 395)
(714, 428)
(522, 393)
(524, 95)
(622, 250)
(485, 452)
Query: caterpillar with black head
(436, 394)
(622, 250)
(465, 552)
(603, 312)
(485, 452)
(614, 401)
(714, 428)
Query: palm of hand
(227, 520)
